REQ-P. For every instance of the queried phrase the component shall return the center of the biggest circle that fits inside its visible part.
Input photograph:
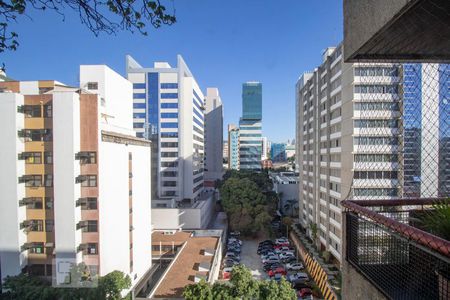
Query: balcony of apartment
(390, 253)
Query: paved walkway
(251, 259)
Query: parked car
(232, 255)
(264, 250)
(226, 273)
(281, 240)
(268, 254)
(294, 266)
(283, 249)
(235, 233)
(279, 270)
(230, 263)
(234, 240)
(281, 245)
(304, 292)
(298, 277)
(234, 249)
(286, 255)
(271, 259)
(268, 267)
(298, 285)
(277, 277)
(290, 259)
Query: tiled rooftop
(185, 268)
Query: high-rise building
(213, 135)
(426, 170)
(278, 152)
(225, 152)
(74, 178)
(347, 140)
(233, 147)
(168, 109)
(264, 153)
(250, 127)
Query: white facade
(213, 135)
(265, 149)
(337, 133)
(12, 259)
(168, 109)
(99, 122)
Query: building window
(170, 183)
(89, 181)
(91, 249)
(169, 105)
(37, 248)
(33, 181)
(48, 203)
(34, 203)
(48, 111)
(169, 125)
(169, 154)
(169, 85)
(89, 203)
(89, 158)
(169, 174)
(32, 111)
(138, 95)
(138, 85)
(169, 164)
(92, 85)
(33, 158)
(36, 225)
(91, 226)
(49, 225)
(48, 182)
(169, 95)
(48, 157)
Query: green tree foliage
(245, 205)
(244, 286)
(271, 290)
(108, 16)
(437, 220)
(27, 287)
(222, 291)
(111, 285)
(241, 286)
(199, 291)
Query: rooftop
(186, 264)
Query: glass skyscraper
(250, 127)
(278, 152)
(426, 122)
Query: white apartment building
(213, 136)
(335, 141)
(74, 178)
(168, 109)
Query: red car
(279, 270)
(278, 246)
(304, 292)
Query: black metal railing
(398, 258)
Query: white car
(285, 255)
(298, 276)
(294, 267)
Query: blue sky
(225, 43)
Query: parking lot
(251, 260)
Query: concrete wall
(12, 260)
(198, 217)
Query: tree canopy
(241, 286)
(245, 204)
(28, 287)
